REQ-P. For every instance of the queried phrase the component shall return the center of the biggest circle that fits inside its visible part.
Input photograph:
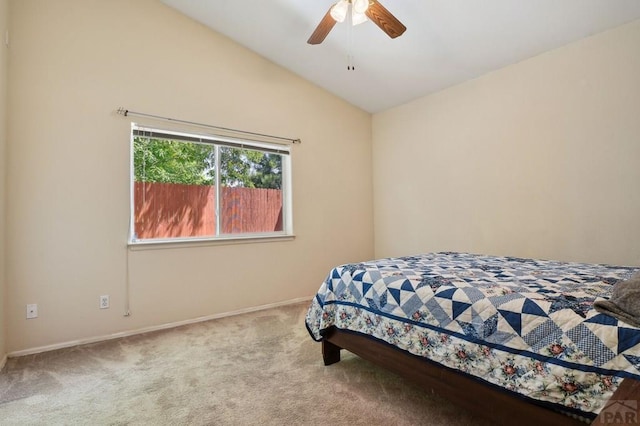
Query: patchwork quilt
(525, 325)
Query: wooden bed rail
(624, 406)
(480, 398)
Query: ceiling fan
(360, 11)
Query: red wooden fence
(164, 210)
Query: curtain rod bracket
(125, 112)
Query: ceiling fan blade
(384, 19)
(322, 29)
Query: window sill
(204, 242)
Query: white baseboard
(95, 339)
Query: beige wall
(4, 12)
(72, 63)
(539, 159)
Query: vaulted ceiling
(446, 42)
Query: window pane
(196, 186)
(250, 191)
(174, 189)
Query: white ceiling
(446, 42)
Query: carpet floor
(260, 368)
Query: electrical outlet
(104, 302)
(32, 311)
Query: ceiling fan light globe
(358, 18)
(339, 10)
(360, 6)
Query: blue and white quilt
(525, 325)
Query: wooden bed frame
(480, 398)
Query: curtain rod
(125, 112)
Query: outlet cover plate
(32, 311)
(104, 302)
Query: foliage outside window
(190, 186)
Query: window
(201, 187)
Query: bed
(515, 340)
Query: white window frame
(218, 141)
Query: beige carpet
(254, 369)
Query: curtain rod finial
(122, 111)
(296, 141)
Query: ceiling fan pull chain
(350, 66)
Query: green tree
(250, 169)
(173, 162)
(159, 160)
(268, 172)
